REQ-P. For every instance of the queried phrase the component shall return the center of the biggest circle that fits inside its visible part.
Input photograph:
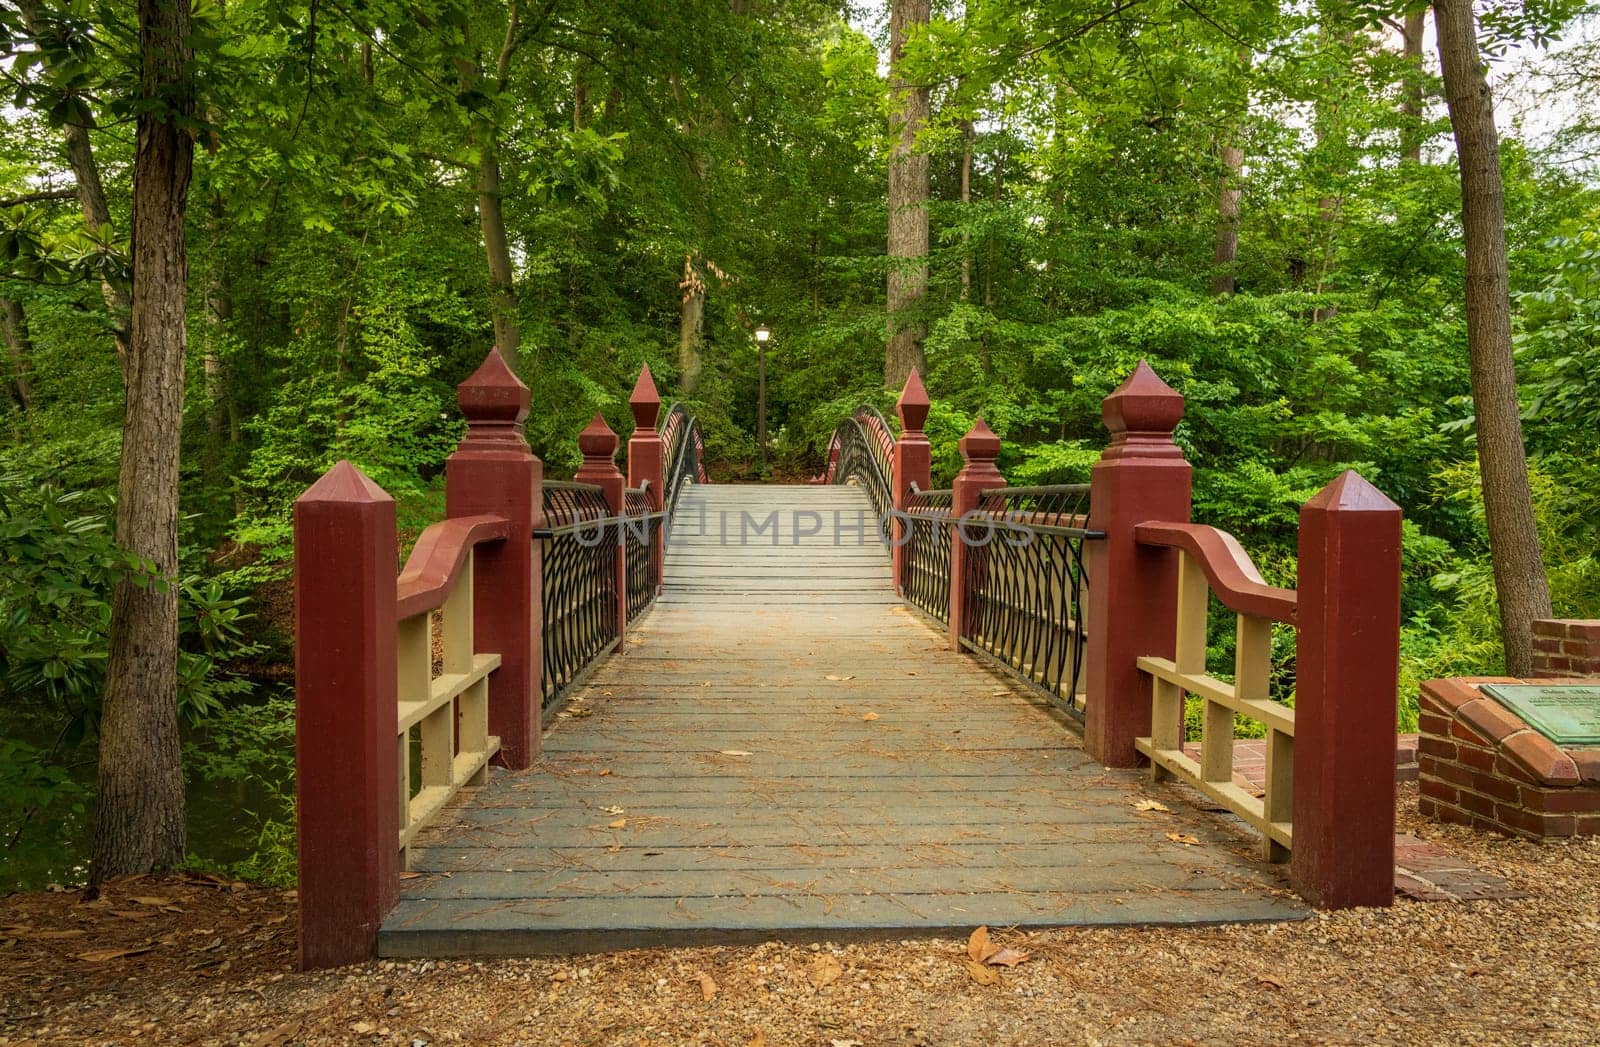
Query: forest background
(1262, 200)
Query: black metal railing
(578, 584)
(925, 565)
(640, 526)
(684, 451)
(862, 453)
(1024, 586)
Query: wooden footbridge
(649, 709)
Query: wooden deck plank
(758, 800)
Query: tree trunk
(139, 812)
(1519, 578)
(908, 203)
(19, 350)
(1225, 252)
(496, 246)
(691, 326)
(967, 136)
(91, 197)
(1411, 132)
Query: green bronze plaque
(1565, 715)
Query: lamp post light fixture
(763, 333)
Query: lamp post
(762, 334)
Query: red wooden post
(913, 462)
(1347, 668)
(494, 472)
(1141, 476)
(979, 449)
(599, 446)
(647, 455)
(346, 716)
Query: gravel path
(1515, 972)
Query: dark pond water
(225, 822)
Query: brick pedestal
(1480, 765)
(1566, 647)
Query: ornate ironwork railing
(578, 584)
(862, 452)
(684, 451)
(925, 567)
(1025, 586)
(639, 529)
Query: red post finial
(1141, 415)
(979, 449)
(495, 402)
(598, 445)
(912, 407)
(645, 402)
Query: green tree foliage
(340, 286)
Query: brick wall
(1480, 765)
(1566, 647)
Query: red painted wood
(913, 461)
(436, 560)
(1141, 477)
(346, 716)
(599, 446)
(1346, 684)
(647, 455)
(1233, 576)
(494, 473)
(979, 449)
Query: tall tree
(1411, 133)
(19, 350)
(139, 815)
(908, 200)
(1519, 574)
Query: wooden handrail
(438, 557)
(1232, 574)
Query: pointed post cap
(1142, 404)
(980, 445)
(1350, 492)
(346, 484)
(645, 402)
(597, 442)
(493, 393)
(912, 407)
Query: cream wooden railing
(444, 715)
(1211, 562)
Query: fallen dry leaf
(158, 903)
(838, 679)
(102, 955)
(1150, 805)
(708, 986)
(73, 933)
(979, 947)
(824, 970)
(758, 1040)
(869, 717)
(277, 1037)
(604, 771)
(735, 752)
(845, 1043)
(1008, 958)
(1269, 980)
(612, 810)
(1183, 838)
(620, 823)
(982, 974)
